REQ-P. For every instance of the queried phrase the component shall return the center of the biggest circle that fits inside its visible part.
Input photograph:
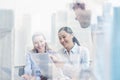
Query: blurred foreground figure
(82, 15)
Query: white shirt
(75, 61)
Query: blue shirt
(31, 63)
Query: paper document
(44, 62)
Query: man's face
(83, 16)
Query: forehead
(62, 33)
(38, 37)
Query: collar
(73, 50)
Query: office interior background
(19, 19)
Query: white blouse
(75, 61)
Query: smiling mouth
(64, 44)
(39, 48)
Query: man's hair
(78, 5)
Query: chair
(20, 70)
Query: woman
(74, 57)
(40, 47)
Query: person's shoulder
(83, 49)
(50, 51)
(61, 50)
(29, 52)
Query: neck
(70, 47)
(41, 51)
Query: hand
(26, 76)
(33, 78)
(57, 61)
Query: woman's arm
(27, 69)
(73, 70)
(28, 65)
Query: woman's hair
(46, 45)
(78, 5)
(69, 31)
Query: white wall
(22, 38)
(6, 44)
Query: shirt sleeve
(28, 65)
(85, 58)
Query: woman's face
(65, 39)
(39, 43)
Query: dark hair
(69, 30)
(78, 5)
(47, 48)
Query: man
(82, 15)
